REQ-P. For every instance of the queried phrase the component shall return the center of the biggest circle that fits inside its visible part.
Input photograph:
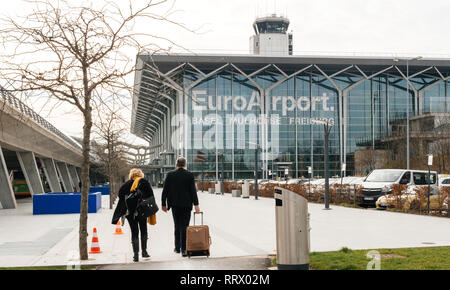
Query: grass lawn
(432, 258)
(83, 267)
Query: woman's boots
(135, 243)
(144, 246)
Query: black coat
(124, 191)
(179, 189)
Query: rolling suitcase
(198, 240)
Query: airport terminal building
(232, 109)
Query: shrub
(419, 201)
(398, 193)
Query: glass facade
(237, 108)
(229, 124)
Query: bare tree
(110, 129)
(369, 159)
(76, 55)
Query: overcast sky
(338, 27)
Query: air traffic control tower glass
(271, 25)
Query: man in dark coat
(179, 194)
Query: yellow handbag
(152, 220)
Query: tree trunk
(111, 189)
(85, 183)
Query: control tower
(271, 37)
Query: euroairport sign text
(284, 104)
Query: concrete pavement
(198, 263)
(239, 228)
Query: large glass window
(229, 123)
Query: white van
(380, 181)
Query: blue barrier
(64, 203)
(104, 190)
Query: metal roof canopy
(206, 62)
(163, 70)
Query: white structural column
(65, 176)
(74, 176)
(179, 110)
(51, 174)
(7, 198)
(27, 162)
(78, 169)
(172, 148)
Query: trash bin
(246, 190)
(219, 187)
(236, 193)
(292, 229)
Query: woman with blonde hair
(137, 223)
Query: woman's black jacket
(124, 191)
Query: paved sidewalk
(239, 228)
(198, 263)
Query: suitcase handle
(198, 213)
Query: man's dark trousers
(181, 219)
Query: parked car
(411, 200)
(444, 180)
(297, 181)
(380, 182)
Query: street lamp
(407, 105)
(327, 128)
(256, 168)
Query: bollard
(292, 229)
(236, 193)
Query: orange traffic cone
(95, 247)
(118, 229)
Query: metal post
(203, 184)
(430, 163)
(310, 184)
(407, 114)
(223, 174)
(343, 168)
(310, 175)
(429, 189)
(256, 172)
(327, 184)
